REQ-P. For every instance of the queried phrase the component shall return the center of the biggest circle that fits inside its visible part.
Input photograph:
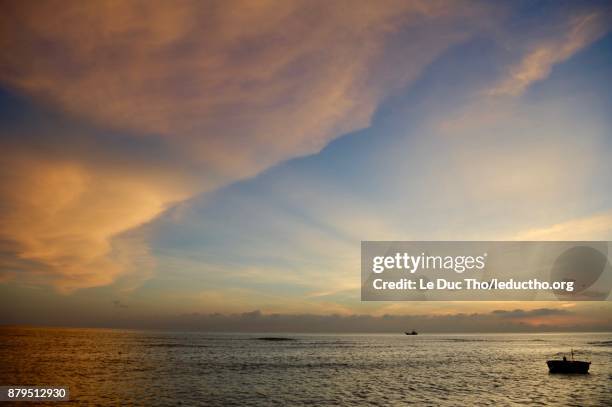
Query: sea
(121, 367)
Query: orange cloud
(235, 87)
(251, 82)
(63, 215)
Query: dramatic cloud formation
(217, 156)
(247, 82)
(234, 86)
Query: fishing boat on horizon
(413, 332)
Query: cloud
(545, 318)
(581, 30)
(173, 309)
(539, 312)
(61, 216)
(242, 84)
(202, 94)
(539, 320)
(595, 227)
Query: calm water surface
(153, 368)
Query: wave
(601, 343)
(275, 338)
(175, 345)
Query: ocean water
(157, 368)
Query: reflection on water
(154, 368)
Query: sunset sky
(163, 161)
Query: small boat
(411, 333)
(568, 366)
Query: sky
(215, 165)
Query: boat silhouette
(411, 333)
(568, 366)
